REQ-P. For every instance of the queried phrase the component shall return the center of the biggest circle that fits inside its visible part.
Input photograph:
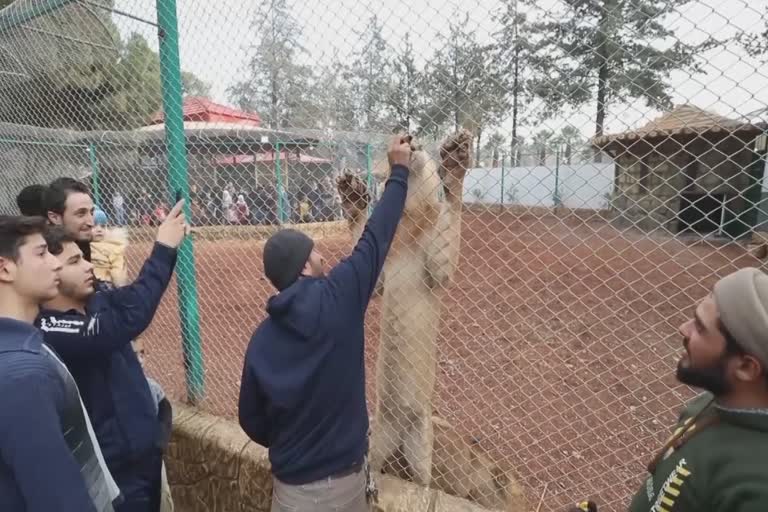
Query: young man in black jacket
(303, 384)
(49, 457)
(92, 332)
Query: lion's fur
(461, 468)
(420, 263)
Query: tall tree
(371, 74)
(138, 93)
(756, 43)
(405, 98)
(465, 85)
(276, 85)
(516, 151)
(568, 138)
(541, 144)
(135, 87)
(334, 97)
(515, 46)
(109, 90)
(494, 147)
(194, 86)
(612, 51)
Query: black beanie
(285, 254)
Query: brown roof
(682, 120)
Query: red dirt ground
(557, 350)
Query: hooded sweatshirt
(302, 392)
(721, 467)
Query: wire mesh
(616, 173)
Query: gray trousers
(344, 494)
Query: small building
(689, 170)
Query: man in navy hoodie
(49, 457)
(92, 331)
(302, 393)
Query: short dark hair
(30, 200)
(55, 196)
(56, 237)
(14, 230)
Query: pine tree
(610, 51)
(465, 85)
(516, 50)
(276, 86)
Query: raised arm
(354, 278)
(129, 309)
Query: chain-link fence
(617, 171)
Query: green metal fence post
(369, 175)
(95, 178)
(189, 313)
(279, 178)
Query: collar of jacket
(752, 419)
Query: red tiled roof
(198, 108)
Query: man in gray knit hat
(302, 393)
(715, 459)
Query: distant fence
(584, 186)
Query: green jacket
(721, 468)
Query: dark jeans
(140, 484)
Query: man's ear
(749, 369)
(7, 270)
(54, 218)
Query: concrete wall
(213, 467)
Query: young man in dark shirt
(92, 330)
(303, 385)
(49, 458)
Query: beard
(711, 378)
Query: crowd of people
(314, 201)
(82, 427)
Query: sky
(214, 37)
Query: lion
(420, 264)
(461, 468)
